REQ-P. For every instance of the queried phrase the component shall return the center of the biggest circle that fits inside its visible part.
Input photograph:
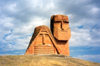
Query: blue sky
(19, 17)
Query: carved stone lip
(63, 30)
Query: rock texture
(51, 41)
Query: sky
(18, 18)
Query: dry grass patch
(43, 60)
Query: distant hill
(43, 60)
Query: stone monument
(61, 32)
(53, 40)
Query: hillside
(43, 60)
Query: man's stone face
(61, 28)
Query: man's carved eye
(66, 22)
(57, 21)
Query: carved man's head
(60, 27)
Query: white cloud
(36, 21)
(80, 37)
(11, 7)
(83, 37)
(41, 4)
(8, 8)
(6, 21)
(81, 1)
(94, 10)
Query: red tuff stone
(42, 42)
(61, 32)
(45, 42)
